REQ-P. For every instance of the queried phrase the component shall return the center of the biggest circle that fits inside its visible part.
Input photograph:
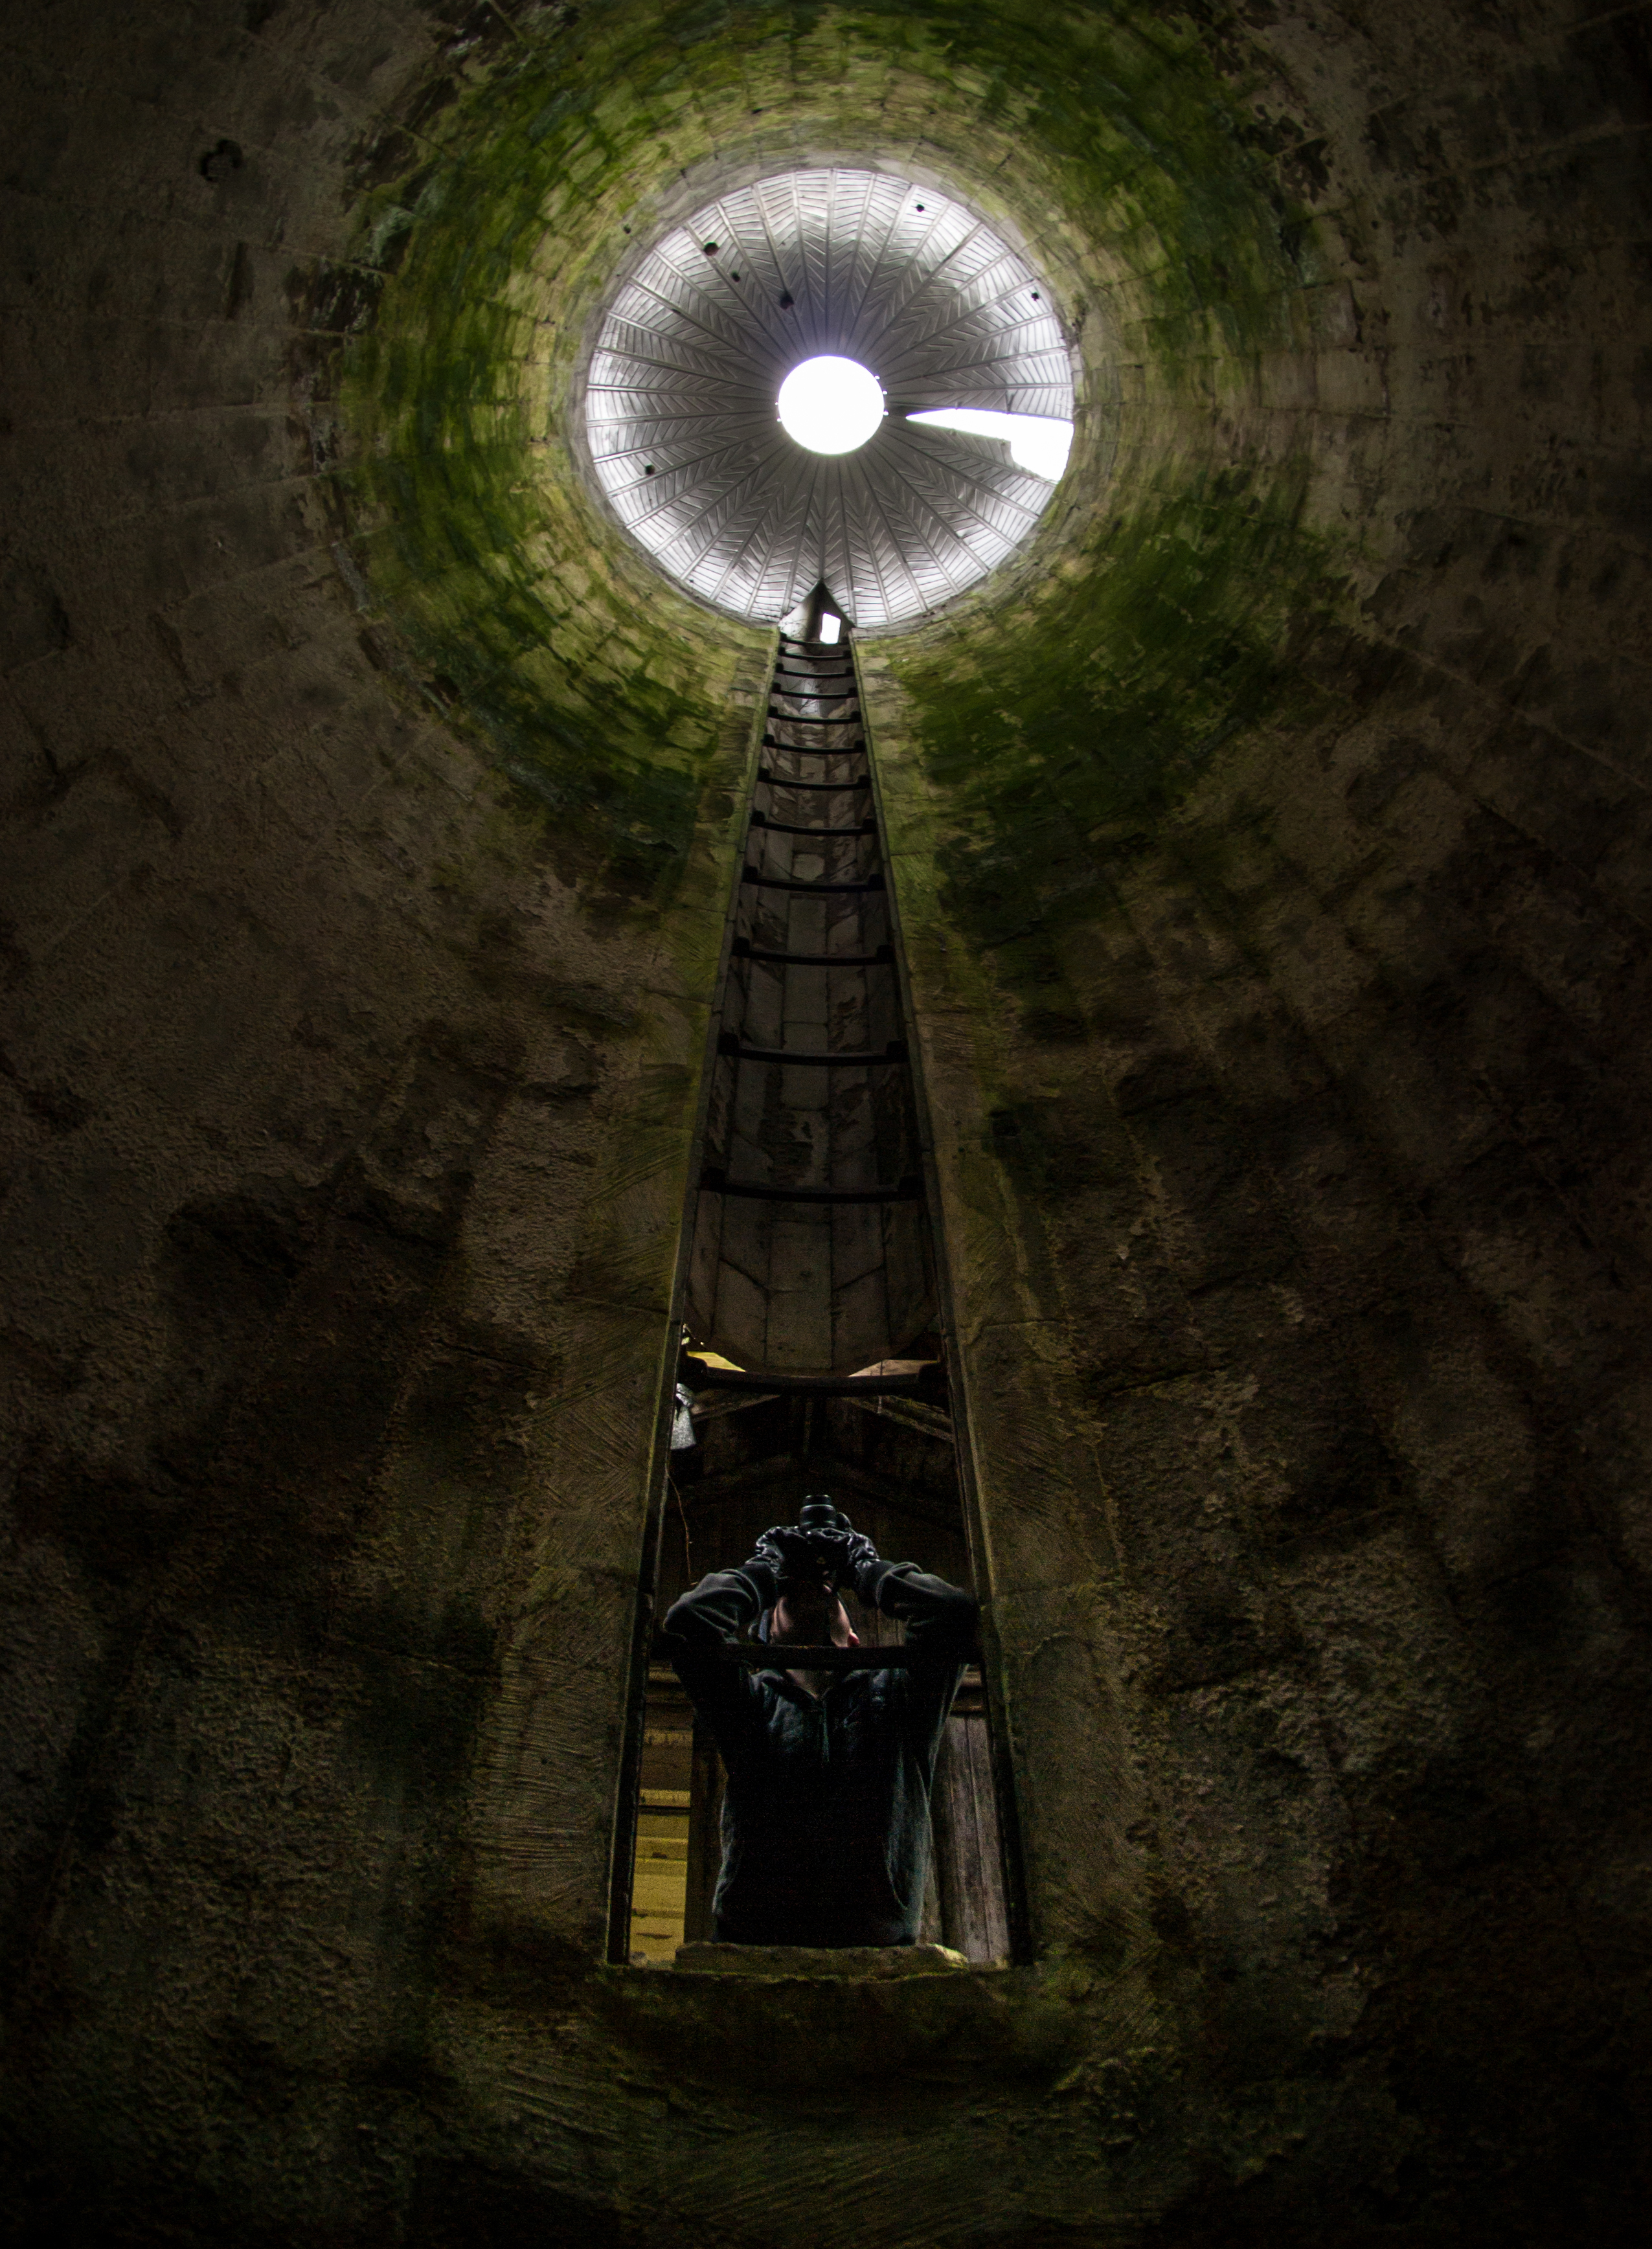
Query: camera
(819, 1544)
(818, 1513)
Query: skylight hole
(646, 384)
(831, 405)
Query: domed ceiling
(680, 400)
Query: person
(826, 1813)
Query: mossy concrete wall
(1270, 848)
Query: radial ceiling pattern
(680, 412)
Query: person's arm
(942, 1621)
(701, 1625)
(722, 1606)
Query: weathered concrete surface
(1270, 842)
(797, 1961)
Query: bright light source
(831, 405)
(1038, 443)
(829, 629)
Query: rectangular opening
(889, 1464)
(809, 1249)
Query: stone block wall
(1268, 843)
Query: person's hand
(831, 1552)
(863, 1560)
(763, 1570)
(842, 1553)
(797, 1553)
(767, 1547)
(861, 1549)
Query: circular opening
(831, 405)
(754, 500)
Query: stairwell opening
(814, 1348)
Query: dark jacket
(826, 1814)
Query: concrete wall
(1269, 846)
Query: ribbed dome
(680, 406)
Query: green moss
(1106, 129)
(1092, 714)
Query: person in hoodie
(826, 1813)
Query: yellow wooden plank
(659, 1897)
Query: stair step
(785, 828)
(713, 1180)
(817, 890)
(830, 787)
(814, 1057)
(884, 957)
